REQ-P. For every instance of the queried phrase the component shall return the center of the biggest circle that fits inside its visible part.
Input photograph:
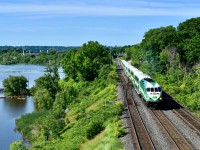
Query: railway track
(177, 141)
(186, 116)
(141, 138)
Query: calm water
(12, 109)
(9, 111)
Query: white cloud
(131, 8)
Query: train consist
(148, 89)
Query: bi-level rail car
(147, 88)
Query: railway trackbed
(141, 138)
(192, 121)
(177, 141)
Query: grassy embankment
(91, 121)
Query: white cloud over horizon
(73, 22)
(131, 8)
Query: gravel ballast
(184, 129)
(127, 139)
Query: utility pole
(110, 55)
(28, 81)
(23, 51)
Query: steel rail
(189, 119)
(135, 140)
(180, 141)
(143, 138)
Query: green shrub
(94, 129)
(26, 123)
(17, 145)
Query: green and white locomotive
(147, 88)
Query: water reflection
(14, 107)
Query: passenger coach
(146, 87)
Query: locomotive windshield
(157, 89)
(149, 80)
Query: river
(12, 109)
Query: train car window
(156, 89)
(159, 89)
(152, 89)
(148, 89)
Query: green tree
(156, 40)
(90, 58)
(70, 90)
(50, 126)
(189, 36)
(15, 85)
(17, 145)
(85, 63)
(159, 38)
(49, 81)
(59, 106)
(94, 128)
(192, 49)
(69, 64)
(43, 99)
(137, 55)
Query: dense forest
(81, 111)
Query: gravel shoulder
(127, 139)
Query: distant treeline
(38, 48)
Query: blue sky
(74, 22)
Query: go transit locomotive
(147, 88)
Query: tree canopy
(46, 88)
(15, 86)
(86, 62)
(159, 38)
(189, 37)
